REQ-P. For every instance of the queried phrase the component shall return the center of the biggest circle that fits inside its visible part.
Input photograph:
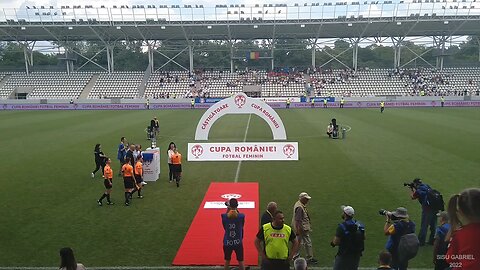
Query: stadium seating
(47, 85)
(117, 85)
(179, 84)
(168, 84)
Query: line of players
(131, 164)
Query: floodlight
(350, 25)
(399, 23)
(23, 28)
(70, 28)
(162, 27)
(445, 22)
(209, 27)
(119, 27)
(255, 26)
(302, 25)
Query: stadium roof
(329, 20)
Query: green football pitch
(49, 198)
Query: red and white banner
(243, 151)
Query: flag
(253, 55)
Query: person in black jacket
(130, 154)
(99, 159)
(267, 216)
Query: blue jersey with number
(233, 229)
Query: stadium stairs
(4, 80)
(89, 86)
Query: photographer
(349, 238)
(401, 226)
(419, 191)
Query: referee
(138, 173)
(128, 181)
(177, 166)
(108, 175)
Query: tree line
(207, 54)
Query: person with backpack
(440, 245)
(402, 242)
(349, 238)
(420, 192)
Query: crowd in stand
(315, 81)
(427, 82)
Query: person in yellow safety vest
(342, 101)
(288, 103)
(325, 103)
(382, 106)
(192, 104)
(312, 102)
(442, 101)
(275, 237)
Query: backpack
(354, 238)
(408, 246)
(435, 200)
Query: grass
(48, 198)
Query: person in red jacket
(464, 248)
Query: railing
(223, 13)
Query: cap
(304, 195)
(348, 210)
(400, 212)
(233, 203)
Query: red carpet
(203, 244)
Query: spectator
(440, 243)
(419, 192)
(384, 260)
(275, 237)
(302, 227)
(401, 226)
(464, 212)
(300, 264)
(349, 238)
(267, 216)
(67, 260)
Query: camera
(410, 185)
(383, 212)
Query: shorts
(138, 179)
(107, 184)
(128, 182)
(177, 168)
(227, 252)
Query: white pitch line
(244, 140)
